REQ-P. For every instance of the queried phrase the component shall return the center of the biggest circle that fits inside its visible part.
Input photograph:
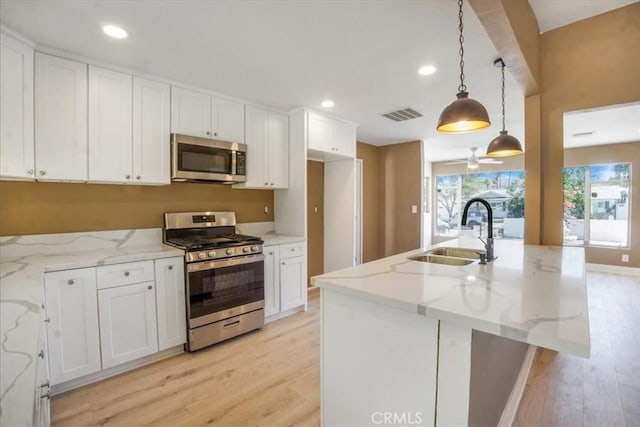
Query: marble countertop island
(532, 294)
(23, 260)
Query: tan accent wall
(370, 201)
(315, 220)
(614, 153)
(43, 208)
(400, 183)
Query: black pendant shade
(463, 115)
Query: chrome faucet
(488, 245)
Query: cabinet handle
(45, 384)
(170, 267)
(30, 172)
(137, 176)
(126, 273)
(272, 184)
(42, 173)
(266, 184)
(149, 287)
(215, 134)
(283, 263)
(45, 396)
(208, 133)
(128, 176)
(70, 282)
(41, 354)
(270, 253)
(47, 320)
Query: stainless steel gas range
(224, 276)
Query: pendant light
(504, 144)
(463, 115)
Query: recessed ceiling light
(115, 32)
(327, 103)
(427, 70)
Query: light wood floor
(265, 378)
(271, 378)
(604, 390)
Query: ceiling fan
(474, 161)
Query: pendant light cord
(503, 126)
(462, 87)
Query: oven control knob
(212, 254)
(245, 249)
(254, 249)
(202, 255)
(229, 251)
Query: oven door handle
(208, 265)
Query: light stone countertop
(280, 239)
(23, 260)
(532, 294)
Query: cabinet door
(293, 287)
(151, 134)
(257, 128)
(110, 126)
(190, 112)
(319, 132)
(271, 280)
(344, 138)
(72, 331)
(128, 328)
(61, 119)
(16, 109)
(228, 120)
(278, 155)
(170, 300)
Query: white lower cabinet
(285, 285)
(128, 327)
(170, 302)
(100, 317)
(72, 329)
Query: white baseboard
(284, 314)
(615, 269)
(511, 408)
(115, 370)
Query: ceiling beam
(513, 29)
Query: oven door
(207, 160)
(224, 288)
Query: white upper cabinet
(110, 126)
(267, 139)
(190, 112)
(227, 120)
(60, 119)
(151, 134)
(329, 138)
(16, 109)
(200, 114)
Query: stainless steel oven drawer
(219, 331)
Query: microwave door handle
(233, 162)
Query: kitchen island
(400, 337)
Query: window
(503, 190)
(596, 205)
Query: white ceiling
(557, 13)
(362, 54)
(610, 125)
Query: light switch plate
(625, 257)
(414, 209)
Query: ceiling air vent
(402, 115)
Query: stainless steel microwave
(202, 159)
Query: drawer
(125, 274)
(291, 250)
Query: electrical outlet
(266, 209)
(414, 209)
(625, 257)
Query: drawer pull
(283, 263)
(70, 282)
(231, 325)
(45, 384)
(47, 320)
(41, 354)
(126, 273)
(149, 287)
(171, 267)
